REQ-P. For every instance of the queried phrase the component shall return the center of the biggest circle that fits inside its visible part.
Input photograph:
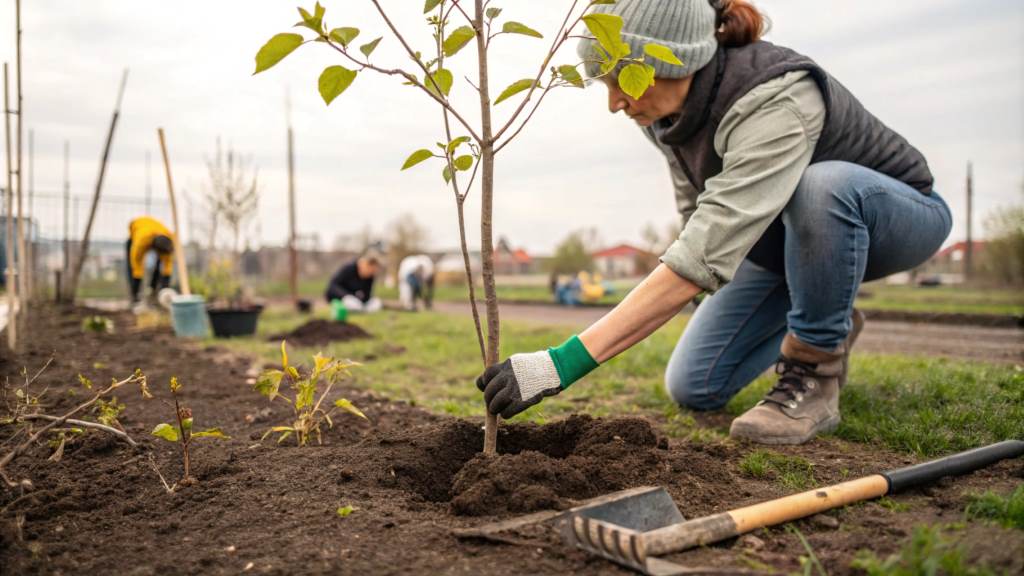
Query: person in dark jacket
(353, 284)
(791, 194)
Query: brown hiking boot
(805, 400)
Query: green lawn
(919, 405)
(972, 300)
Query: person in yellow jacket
(145, 234)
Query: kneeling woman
(791, 195)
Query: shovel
(634, 527)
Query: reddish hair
(740, 23)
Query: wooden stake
(66, 268)
(179, 253)
(10, 281)
(84, 250)
(23, 294)
(30, 255)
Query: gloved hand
(525, 379)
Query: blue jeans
(844, 224)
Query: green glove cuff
(572, 361)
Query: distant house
(622, 261)
(950, 260)
(509, 261)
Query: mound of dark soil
(553, 466)
(320, 332)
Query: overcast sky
(947, 74)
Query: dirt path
(1003, 345)
(411, 477)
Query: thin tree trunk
(486, 206)
(460, 205)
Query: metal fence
(56, 222)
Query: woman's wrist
(572, 361)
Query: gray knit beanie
(687, 27)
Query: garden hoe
(634, 527)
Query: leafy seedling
(98, 325)
(184, 433)
(307, 404)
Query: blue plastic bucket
(188, 315)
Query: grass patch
(927, 552)
(892, 505)
(1007, 511)
(793, 472)
(963, 299)
(919, 405)
(925, 406)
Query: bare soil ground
(963, 342)
(411, 476)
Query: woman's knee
(689, 388)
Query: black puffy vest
(851, 133)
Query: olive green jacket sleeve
(766, 141)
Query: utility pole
(969, 249)
(66, 268)
(84, 249)
(293, 256)
(10, 282)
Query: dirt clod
(321, 332)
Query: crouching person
(353, 284)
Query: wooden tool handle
(711, 529)
(179, 252)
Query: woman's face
(666, 97)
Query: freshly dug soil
(412, 477)
(321, 332)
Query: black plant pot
(228, 322)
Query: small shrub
(306, 403)
(928, 552)
(792, 472)
(1007, 511)
(98, 325)
(184, 433)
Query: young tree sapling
(478, 144)
(183, 433)
(307, 405)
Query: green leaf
(268, 383)
(514, 88)
(344, 35)
(443, 78)
(276, 49)
(417, 157)
(334, 80)
(455, 143)
(463, 163)
(346, 510)
(284, 355)
(304, 392)
(634, 79)
(369, 47)
(210, 433)
(492, 13)
(85, 382)
(348, 406)
(430, 5)
(446, 173)
(457, 40)
(519, 28)
(662, 53)
(166, 431)
(570, 74)
(186, 424)
(175, 386)
(607, 29)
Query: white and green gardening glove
(525, 379)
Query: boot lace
(791, 385)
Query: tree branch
(560, 38)
(526, 121)
(83, 424)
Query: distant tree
(573, 254)
(1004, 250)
(233, 194)
(405, 237)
